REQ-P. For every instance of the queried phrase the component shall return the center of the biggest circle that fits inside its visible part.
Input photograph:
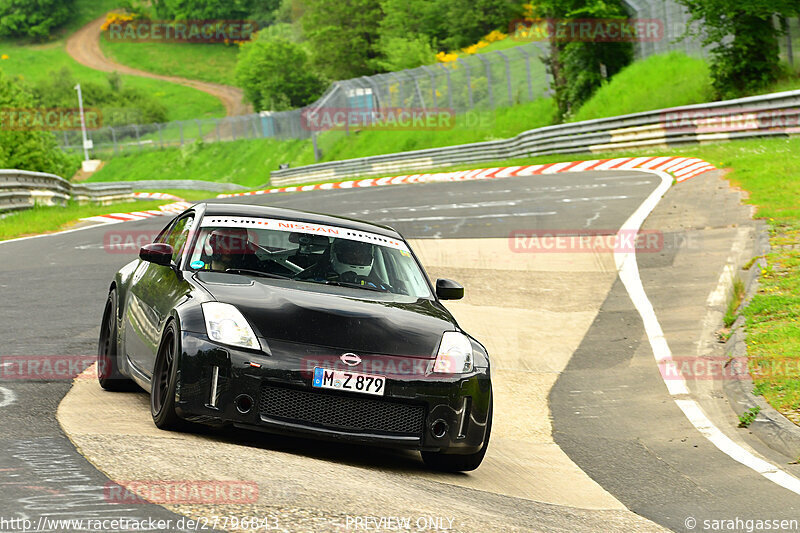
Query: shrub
(275, 75)
(29, 150)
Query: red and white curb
(169, 209)
(156, 196)
(680, 168)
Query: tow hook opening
(439, 428)
(244, 403)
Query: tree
(343, 36)
(24, 18)
(407, 18)
(275, 75)
(579, 66)
(206, 9)
(469, 20)
(27, 149)
(448, 24)
(745, 53)
(401, 53)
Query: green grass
(37, 62)
(254, 159)
(657, 82)
(734, 301)
(190, 195)
(773, 315)
(45, 219)
(246, 162)
(207, 62)
(470, 127)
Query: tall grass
(660, 81)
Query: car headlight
(455, 354)
(226, 325)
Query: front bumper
(446, 413)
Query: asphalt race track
(588, 438)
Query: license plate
(325, 378)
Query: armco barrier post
(508, 78)
(488, 78)
(469, 81)
(527, 56)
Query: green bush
(400, 53)
(29, 150)
(745, 57)
(25, 18)
(120, 105)
(275, 75)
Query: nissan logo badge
(350, 359)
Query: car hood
(342, 319)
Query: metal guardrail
(22, 189)
(767, 115)
(197, 185)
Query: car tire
(108, 374)
(162, 393)
(444, 462)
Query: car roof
(247, 210)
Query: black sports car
(297, 323)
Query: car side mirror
(158, 253)
(447, 289)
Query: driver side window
(178, 235)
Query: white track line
(60, 232)
(8, 397)
(629, 275)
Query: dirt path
(84, 47)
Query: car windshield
(307, 252)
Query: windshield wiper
(352, 285)
(256, 273)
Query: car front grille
(341, 412)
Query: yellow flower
(494, 36)
(4, 56)
(116, 18)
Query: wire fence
(481, 81)
(674, 20)
(486, 81)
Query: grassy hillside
(248, 162)
(38, 62)
(657, 82)
(206, 62)
(648, 84)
